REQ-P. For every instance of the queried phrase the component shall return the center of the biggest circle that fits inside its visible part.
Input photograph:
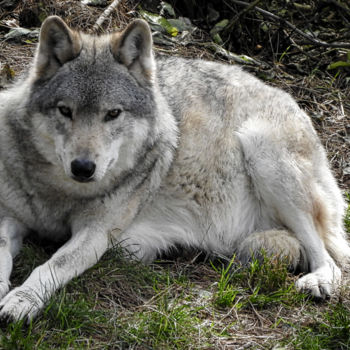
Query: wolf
(103, 144)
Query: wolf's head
(94, 106)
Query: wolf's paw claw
(20, 303)
(321, 283)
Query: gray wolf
(104, 144)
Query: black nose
(83, 169)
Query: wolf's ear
(57, 45)
(133, 48)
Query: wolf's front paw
(321, 283)
(20, 303)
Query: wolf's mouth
(83, 179)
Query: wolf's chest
(46, 214)
(51, 221)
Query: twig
(341, 105)
(290, 25)
(239, 14)
(105, 14)
(241, 59)
(300, 48)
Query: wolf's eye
(112, 114)
(65, 111)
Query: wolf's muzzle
(83, 170)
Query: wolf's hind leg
(283, 177)
(274, 243)
(329, 210)
(11, 236)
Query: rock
(98, 3)
(19, 34)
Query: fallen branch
(241, 59)
(293, 27)
(240, 14)
(98, 25)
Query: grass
(168, 323)
(115, 303)
(69, 321)
(331, 330)
(264, 282)
(178, 304)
